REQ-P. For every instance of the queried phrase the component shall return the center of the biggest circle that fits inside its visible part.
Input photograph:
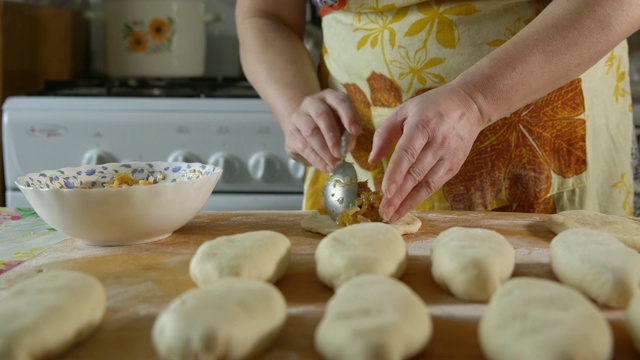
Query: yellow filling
(364, 210)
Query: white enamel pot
(154, 38)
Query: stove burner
(151, 87)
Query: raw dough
(322, 224)
(597, 264)
(261, 255)
(633, 319)
(233, 318)
(43, 316)
(365, 248)
(535, 318)
(471, 263)
(623, 228)
(373, 317)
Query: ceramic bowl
(74, 200)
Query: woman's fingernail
(392, 218)
(385, 212)
(336, 152)
(391, 189)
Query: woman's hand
(435, 132)
(312, 136)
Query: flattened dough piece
(322, 224)
(633, 319)
(373, 317)
(365, 248)
(535, 318)
(44, 315)
(623, 228)
(597, 264)
(233, 318)
(261, 255)
(471, 263)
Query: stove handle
(230, 164)
(298, 170)
(265, 167)
(98, 157)
(183, 156)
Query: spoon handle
(343, 144)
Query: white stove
(239, 134)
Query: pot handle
(212, 16)
(93, 15)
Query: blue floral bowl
(120, 203)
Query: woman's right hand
(312, 136)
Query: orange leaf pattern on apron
(517, 155)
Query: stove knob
(98, 157)
(265, 167)
(183, 156)
(230, 164)
(297, 169)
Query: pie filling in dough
(364, 210)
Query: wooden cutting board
(142, 279)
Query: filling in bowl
(116, 175)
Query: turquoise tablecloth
(23, 234)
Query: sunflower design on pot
(137, 42)
(152, 37)
(159, 29)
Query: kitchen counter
(142, 279)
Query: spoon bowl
(341, 189)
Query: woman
(518, 105)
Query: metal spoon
(341, 189)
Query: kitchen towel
(23, 234)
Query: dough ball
(597, 264)
(471, 263)
(633, 319)
(373, 317)
(234, 318)
(323, 224)
(43, 316)
(261, 255)
(623, 228)
(534, 318)
(365, 248)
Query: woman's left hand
(435, 132)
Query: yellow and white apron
(567, 150)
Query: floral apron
(567, 150)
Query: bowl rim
(216, 171)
